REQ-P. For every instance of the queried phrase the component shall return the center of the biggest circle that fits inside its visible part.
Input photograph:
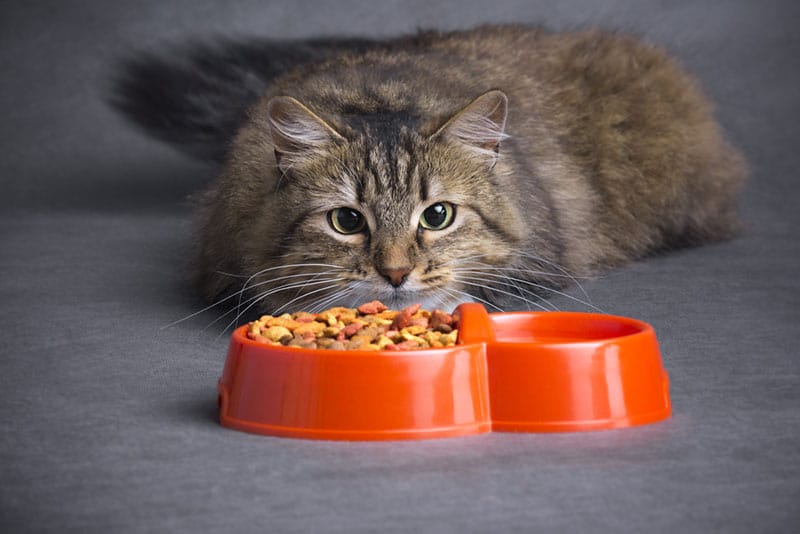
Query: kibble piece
(373, 307)
(352, 328)
(415, 329)
(331, 331)
(276, 333)
(325, 342)
(440, 318)
(312, 328)
(443, 328)
(303, 344)
(383, 342)
(449, 339)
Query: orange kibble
(371, 308)
(438, 318)
(352, 328)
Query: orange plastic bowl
(566, 371)
(526, 372)
(355, 395)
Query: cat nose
(397, 276)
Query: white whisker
(231, 275)
(563, 273)
(464, 281)
(327, 301)
(311, 276)
(447, 301)
(533, 284)
(239, 294)
(557, 266)
(259, 298)
(518, 269)
(246, 284)
(473, 297)
(255, 299)
(510, 281)
(304, 295)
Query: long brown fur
(594, 149)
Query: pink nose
(396, 277)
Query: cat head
(369, 207)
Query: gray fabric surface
(109, 419)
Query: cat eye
(437, 216)
(346, 220)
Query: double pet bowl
(509, 372)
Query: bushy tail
(196, 97)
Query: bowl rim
(643, 329)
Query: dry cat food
(371, 326)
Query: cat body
(492, 164)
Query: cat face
(400, 216)
(394, 222)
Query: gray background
(108, 419)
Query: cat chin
(399, 299)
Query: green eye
(346, 220)
(437, 216)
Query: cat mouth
(398, 297)
(402, 297)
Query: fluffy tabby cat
(490, 165)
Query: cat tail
(196, 97)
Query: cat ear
(297, 132)
(480, 125)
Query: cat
(493, 165)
